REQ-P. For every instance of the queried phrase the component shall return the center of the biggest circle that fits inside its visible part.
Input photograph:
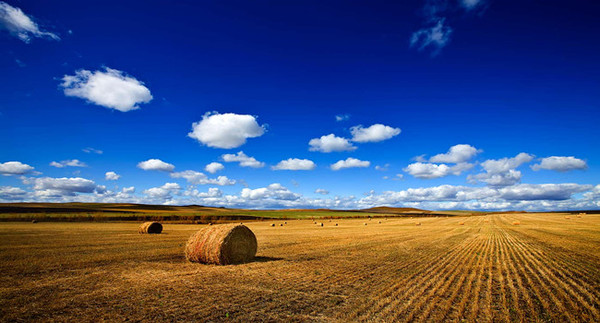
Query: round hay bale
(222, 245)
(280, 224)
(461, 223)
(321, 224)
(365, 223)
(418, 223)
(150, 227)
(272, 224)
(336, 224)
(210, 223)
(33, 221)
(567, 217)
(516, 223)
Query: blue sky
(460, 104)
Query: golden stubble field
(547, 268)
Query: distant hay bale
(567, 217)
(321, 224)
(280, 224)
(461, 223)
(222, 245)
(418, 223)
(33, 221)
(336, 225)
(210, 223)
(365, 223)
(379, 222)
(150, 227)
(285, 222)
(579, 215)
(272, 224)
(516, 223)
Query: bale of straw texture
(222, 245)
(150, 227)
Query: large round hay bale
(150, 227)
(222, 245)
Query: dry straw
(462, 223)
(150, 227)
(222, 245)
(418, 223)
(516, 222)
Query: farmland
(546, 268)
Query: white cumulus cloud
(430, 171)
(20, 25)
(109, 88)
(560, 164)
(14, 168)
(350, 163)
(243, 159)
(456, 154)
(68, 163)
(111, 176)
(501, 172)
(48, 187)
(274, 191)
(214, 167)
(295, 164)
(374, 133)
(164, 192)
(156, 164)
(199, 178)
(227, 130)
(329, 143)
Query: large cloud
(14, 168)
(295, 164)
(109, 88)
(374, 133)
(560, 164)
(199, 178)
(228, 130)
(156, 164)
(429, 171)
(10, 193)
(48, 187)
(68, 163)
(329, 143)
(350, 163)
(501, 172)
(243, 159)
(20, 25)
(456, 154)
(164, 192)
(274, 191)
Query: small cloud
(430, 171)
(398, 177)
(350, 163)
(374, 133)
(243, 159)
(20, 25)
(342, 117)
(321, 191)
(382, 168)
(156, 164)
(228, 130)
(560, 164)
(295, 164)
(434, 37)
(470, 4)
(330, 143)
(214, 167)
(111, 176)
(20, 63)
(68, 163)
(91, 150)
(109, 88)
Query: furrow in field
(521, 304)
(483, 279)
(533, 282)
(385, 296)
(498, 302)
(431, 279)
(438, 304)
(562, 294)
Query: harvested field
(545, 269)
